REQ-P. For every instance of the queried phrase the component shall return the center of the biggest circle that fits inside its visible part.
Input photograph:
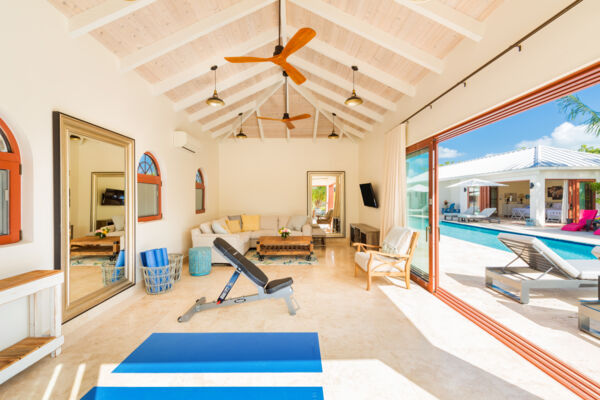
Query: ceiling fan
(287, 120)
(280, 55)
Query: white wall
(557, 50)
(270, 177)
(43, 70)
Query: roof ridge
(489, 156)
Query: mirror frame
(64, 126)
(309, 175)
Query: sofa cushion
(234, 226)
(269, 222)
(219, 227)
(235, 217)
(250, 222)
(295, 223)
(283, 221)
(206, 227)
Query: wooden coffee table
(94, 246)
(292, 246)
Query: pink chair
(584, 215)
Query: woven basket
(159, 280)
(176, 262)
(111, 273)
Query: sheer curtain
(394, 183)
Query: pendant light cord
(215, 79)
(280, 22)
(286, 95)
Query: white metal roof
(533, 157)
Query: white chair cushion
(397, 241)
(362, 259)
(268, 223)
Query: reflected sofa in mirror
(326, 201)
(94, 212)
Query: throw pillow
(206, 228)
(235, 217)
(119, 221)
(268, 223)
(283, 221)
(250, 222)
(234, 226)
(219, 227)
(295, 223)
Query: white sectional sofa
(243, 241)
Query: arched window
(200, 192)
(10, 187)
(148, 187)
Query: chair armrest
(398, 256)
(307, 230)
(364, 246)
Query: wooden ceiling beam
(242, 94)
(341, 82)
(199, 69)
(338, 98)
(202, 94)
(189, 34)
(103, 14)
(345, 116)
(231, 114)
(447, 16)
(373, 34)
(364, 67)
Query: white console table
(36, 346)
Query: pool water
(489, 237)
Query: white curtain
(394, 183)
(565, 202)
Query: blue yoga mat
(225, 352)
(204, 393)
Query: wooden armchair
(325, 219)
(374, 262)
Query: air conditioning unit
(183, 140)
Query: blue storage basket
(200, 261)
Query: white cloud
(445, 152)
(566, 135)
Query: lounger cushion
(588, 269)
(362, 260)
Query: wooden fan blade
(293, 73)
(271, 119)
(247, 59)
(298, 41)
(289, 124)
(301, 116)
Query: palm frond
(573, 107)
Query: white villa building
(543, 183)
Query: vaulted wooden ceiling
(173, 43)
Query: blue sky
(545, 124)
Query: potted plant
(284, 232)
(102, 232)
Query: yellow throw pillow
(250, 223)
(234, 226)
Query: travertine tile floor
(389, 343)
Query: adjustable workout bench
(275, 289)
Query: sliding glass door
(419, 201)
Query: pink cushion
(584, 215)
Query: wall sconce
(531, 185)
(464, 189)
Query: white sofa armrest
(307, 230)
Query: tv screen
(113, 197)
(368, 195)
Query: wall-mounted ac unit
(183, 140)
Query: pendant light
(214, 100)
(241, 134)
(353, 100)
(333, 135)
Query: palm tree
(574, 107)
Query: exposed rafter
(231, 114)
(103, 14)
(345, 116)
(365, 68)
(262, 101)
(242, 94)
(338, 98)
(202, 94)
(447, 16)
(372, 33)
(202, 68)
(191, 33)
(341, 82)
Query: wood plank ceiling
(173, 43)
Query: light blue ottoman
(200, 261)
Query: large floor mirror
(94, 212)
(326, 202)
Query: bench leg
(292, 305)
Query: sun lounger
(584, 215)
(546, 269)
(485, 215)
(451, 216)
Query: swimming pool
(489, 237)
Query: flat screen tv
(113, 197)
(368, 195)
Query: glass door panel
(417, 204)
